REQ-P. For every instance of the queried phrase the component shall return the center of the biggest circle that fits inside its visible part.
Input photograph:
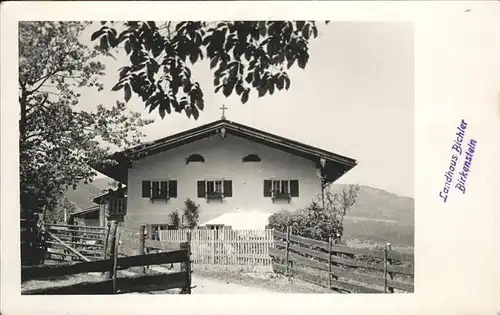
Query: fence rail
(340, 267)
(136, 283)
(224, 247)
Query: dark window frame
(281, 188)
(166, 189)
(215, 188)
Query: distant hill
(380, 217)
(82, 196)
(102, 182)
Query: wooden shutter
(146, 189)
(156, 189)
(267, 188)
(228, 188)
(201, 189)
(172, 188)
(294, 188)
(163, 188)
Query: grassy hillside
(82, 195)
(379, 217)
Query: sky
(354, 98)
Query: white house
(222, 166)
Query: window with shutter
(215, 189)
(281, 189)
(172, 188)
(146, 189)
(228, 188)
(154, 190)
(201, 189)
(267, 188)
(294, 188)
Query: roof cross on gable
(223, 111)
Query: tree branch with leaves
(245, 56)
(58, 140)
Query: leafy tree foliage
(317, 222)
(191, 214)
(175, 219)
(57, 213)
(57, 140)
(244, 55)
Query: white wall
(223, 160)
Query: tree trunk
(22, 120)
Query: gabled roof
(85, 211)
(335, 165)
(99, 199)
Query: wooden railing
(117, 206)
(340, 267)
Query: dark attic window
(195, 158)
(251, 158)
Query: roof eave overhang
(334, 167)
(85, 212)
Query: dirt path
(204, 285)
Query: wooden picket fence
(342, 268)
(225, 246)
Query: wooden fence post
(388, 263)
(288, 228)
(385, 269)
(330, 240)
(186, 265)
(105, 254)
(212, 232)
(115, 259)
(189, 262)
(142, 243)
(111, 248)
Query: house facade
(224, 167)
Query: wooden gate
(75, 242)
